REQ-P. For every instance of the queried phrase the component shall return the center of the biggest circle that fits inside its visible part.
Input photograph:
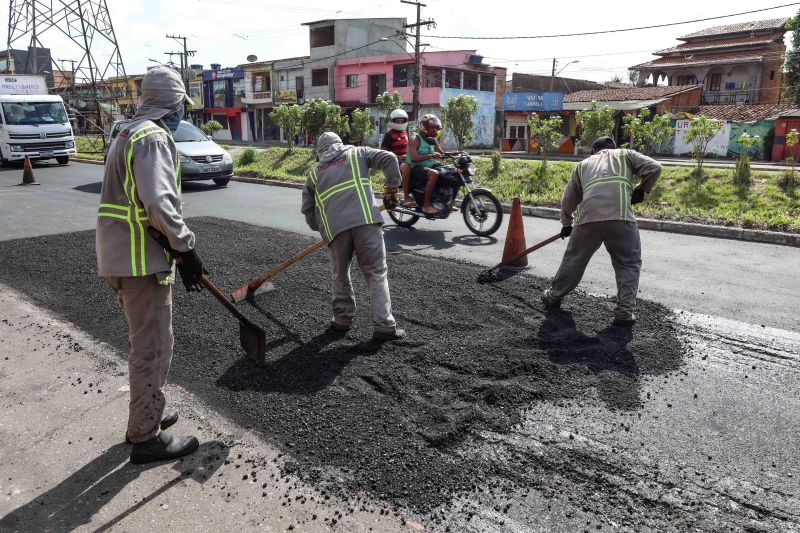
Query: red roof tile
(744, 113)
(699, 60)
(743, 27)
(721, 44)
(629, 93)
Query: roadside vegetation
(764, 204)
(89, 147)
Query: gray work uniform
(140, 189)
(597, 202)
(339, 203)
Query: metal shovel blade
(267, 286)
(254, 341)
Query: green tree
(699, 133)
(388, 102)
(458, 116)
(646, 135)
(546, 132)
(596, 121)
(321, 115)
(741, 175)
(289, 118)
(633, 76)
(791, 141)
(360, 125)
(791, 66)
(211, 127)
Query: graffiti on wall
(484, 117)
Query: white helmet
(399, 125)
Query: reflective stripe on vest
(357, 182)
(135, 214)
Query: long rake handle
(224, 301)
(527, 251)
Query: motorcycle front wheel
(483, 213)
(402, 219)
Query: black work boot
(162, 448)
(167, 420)
(384, 336)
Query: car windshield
(188, 133)
(34, 113)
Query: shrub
(211, 127)
(497, 161)
(247, 157)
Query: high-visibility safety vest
(141, 182)
(341, 192)
(601, 186)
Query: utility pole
(417, 52)
(184, 56)
(552, 75)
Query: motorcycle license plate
(212, 169)
(45, 154)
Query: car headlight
(227, 158)
(184, 159)
(69, 144)
(17, 148)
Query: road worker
(597, 209)
(338, 202)
(141, 188)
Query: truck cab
(36, 126)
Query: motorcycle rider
(338, 202)
(423, 150)
(396, 141)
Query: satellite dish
(251, 58)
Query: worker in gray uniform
(597, 209)
(141, 188)
(339, 203)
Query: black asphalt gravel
(391, 420)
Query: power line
(599, 32)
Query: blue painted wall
(484, 117)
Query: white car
(201, 158)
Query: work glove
(566, 231)
(637, 197)
(191, 269)
(390, 198)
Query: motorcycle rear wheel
(483, 215)
(402, 219)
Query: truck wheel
(62, 159)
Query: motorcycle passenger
(396, 141)
(422, 153)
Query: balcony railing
(727, 97)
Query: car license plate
(212, 169)
(45, 154)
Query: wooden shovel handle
(527, 251)
(224, 300)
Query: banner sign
(533, 101)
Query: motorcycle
(481, 210)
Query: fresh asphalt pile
(391, 420)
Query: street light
(554, 73)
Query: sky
(227, 31)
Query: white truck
(32, 122)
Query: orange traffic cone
(515, 238)
(27, 173)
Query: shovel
(252, 338)
(263, 283)
(489, 276)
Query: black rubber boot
(162, 448)
(383, 336)
(168, 420)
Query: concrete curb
(685, 228)
(87, 161)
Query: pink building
(359, 80)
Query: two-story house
(337, 39)
(735, 63)
(443, 75)
(258, 98)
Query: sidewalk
(65, 467)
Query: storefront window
(220, 93)
(239, 88)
